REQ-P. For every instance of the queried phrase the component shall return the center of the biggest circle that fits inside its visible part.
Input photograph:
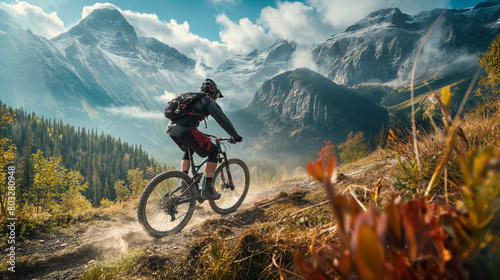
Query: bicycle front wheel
(162, 209)
(233, 193)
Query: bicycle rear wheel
(232, 195)
(162, 211)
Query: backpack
(179, 106)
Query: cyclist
(184, 131)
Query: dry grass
(482, 128)
(275, 230)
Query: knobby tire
(231, 199)
(151, 211)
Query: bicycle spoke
(233, 196)
(160, 210)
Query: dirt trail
(67, 253)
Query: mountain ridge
(302, 106)
(381, 47)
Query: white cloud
(34, 18)
(296, 22)
(302, 57)
(199, 70)
(293, 21)
(87, 10)
(167, 96)
(220, 6)
(226, 2)
(243, 36)
(133, 112)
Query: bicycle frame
(222, 158)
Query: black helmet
(210, 88)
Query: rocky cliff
(300, 109)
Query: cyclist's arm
(215, 111)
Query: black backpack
(180, 105)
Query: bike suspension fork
(229, 177)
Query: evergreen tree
(382, 137)
(26, 174)
(97, 188)
(107, 191)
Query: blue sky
(212, 30)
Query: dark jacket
(201, 109)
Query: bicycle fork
(229, 177)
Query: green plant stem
(450, 141)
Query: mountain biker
(184, 131)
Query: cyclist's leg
(200, 144)
(210, 171)
(184, 146)
(204, 147)
(186, 163)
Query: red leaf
(331, 167)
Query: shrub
(490, 61)
(325, 153)
(353, 148)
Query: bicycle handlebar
(228, 139)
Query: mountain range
(101, 74)
(382, 47)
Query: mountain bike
(168, 201)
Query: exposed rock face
(299, 109)
(383, 46)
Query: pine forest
(60, 168)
